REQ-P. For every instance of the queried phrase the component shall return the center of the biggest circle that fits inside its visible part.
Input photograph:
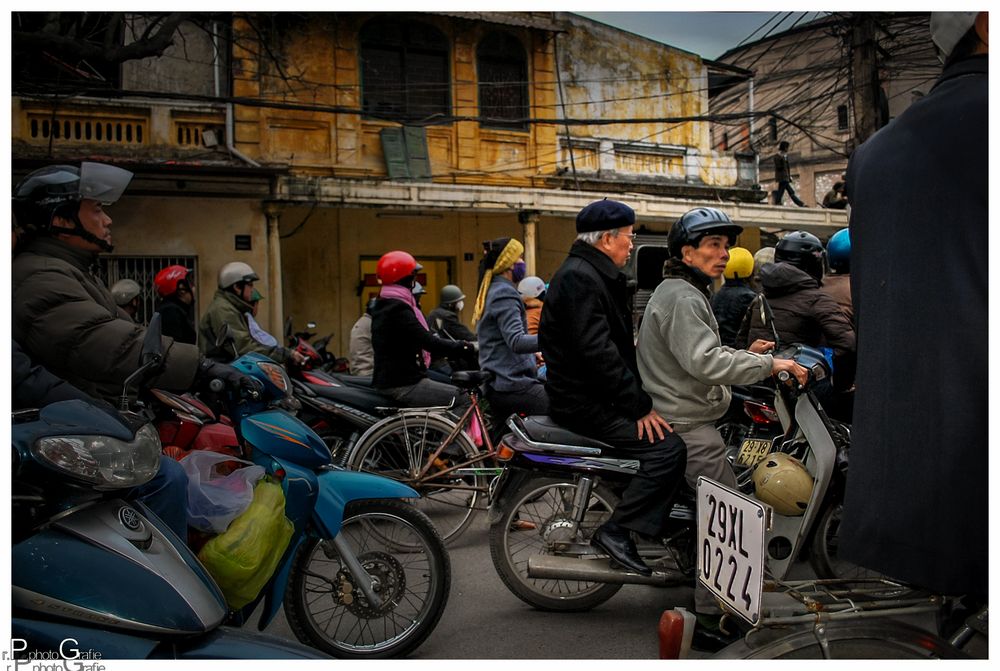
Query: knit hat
(604, 215)
(496, 263)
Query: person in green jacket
(232, 302)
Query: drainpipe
(756, 154)
(275, 307)
(230, 145)
(217, 62)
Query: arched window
(502, 66)
(404, 70)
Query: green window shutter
(416, 152)
(394, 149)
(406, 154)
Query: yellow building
(309, 144)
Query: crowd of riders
(566, 348)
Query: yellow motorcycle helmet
(782, 482)
(740, 264)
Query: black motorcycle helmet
(696, 224)
(57, 190)
(804, 251)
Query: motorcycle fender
(278, 583)
(338, 488)
(510, 481)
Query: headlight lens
(101, 460)
(276, 374)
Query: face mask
(459, 305)
(519, 270)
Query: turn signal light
(504, 453)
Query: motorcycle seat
(543, 429)
(467, 379)
(355, 380)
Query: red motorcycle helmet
(395, 265)
(166, 280)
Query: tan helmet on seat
(782, 482)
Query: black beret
(604, 215)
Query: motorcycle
(319, 357)
(365, 575)
(854, 613)
(749, 428)
(86, 565)
(559, 487)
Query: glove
(209, 370)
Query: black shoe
(709, 636)
(617, 544)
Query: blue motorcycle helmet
(838, 251)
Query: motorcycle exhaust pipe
(598, 570)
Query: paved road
(483, 620)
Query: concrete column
(529, 220)
(274, 302)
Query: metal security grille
(142, 269)
(503, 82)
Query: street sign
(731, 535)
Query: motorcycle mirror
(223, 335)
(150, 358)
(288, 327)
(310, 325)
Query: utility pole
(865, 86)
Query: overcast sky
(707, 34)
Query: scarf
(694, 277)
(401, 293)
(505, 261)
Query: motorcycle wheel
(399, 449)
(546, 504)
(327, 610)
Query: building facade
(308, 145)
(802, 92)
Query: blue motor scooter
(365, 574)
(95, 577)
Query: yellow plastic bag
(243, 558)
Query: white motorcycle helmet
(234, 272)
(531, 287)
(782, 482)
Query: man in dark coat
(587, 339)
(916, 505)
(783, 176)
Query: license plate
(753, 450)
(731, 530)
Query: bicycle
(430, 451)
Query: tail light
(760, 413)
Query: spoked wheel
(399, 448)
(327, 609)
(538, 522)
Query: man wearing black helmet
(63, 315)
(593, 384)
(685, 368)
(67, 320)
(802, 312)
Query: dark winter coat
(730, 305)
(67, 321)
(588, 342)
(506, 349)
(398, 341)
(177, 320)
(917, 495)
(35, 387)
(803, 313)
(442, 320)
(782, 169)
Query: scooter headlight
(105, 462)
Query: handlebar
(217, 385)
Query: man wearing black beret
(593, 384)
